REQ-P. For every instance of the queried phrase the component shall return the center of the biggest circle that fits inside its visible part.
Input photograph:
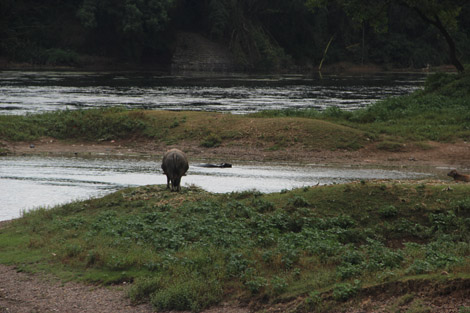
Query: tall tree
(442, 14)
(132, 25)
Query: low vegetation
(323, 245)
(440, 112)
(204, 129)
(192, 250)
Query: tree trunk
(450, 41)
(325, 52)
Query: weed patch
(192, 250)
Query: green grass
(194, 249)
(204, 129)
(439, 113)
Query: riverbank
(367, 246)
(109, 64)
(429, 126)
(359, 247)
(435, 154)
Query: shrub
(437, 81)
(194, 295)
(388, 211)
(381, 257)
(313, 302)
(345, 291)
(346, 271)
(298, 202)
(72, 250)
(263, 206)
(61, 57)
(256, 285)
(97, 124)
(455, 85)
(236, 265)
(211, 141)
(278, 285)
(142, 289)
(419, 267)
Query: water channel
(31, 181)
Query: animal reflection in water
(174, 166)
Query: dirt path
(21, 292)
(27, 293)
(34, 293)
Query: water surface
(31, 181)
(37, 92)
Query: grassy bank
(441, 112)
(191, 250)
(168, 127)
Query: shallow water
(36, 92)
(31, 181)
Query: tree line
(262, 34)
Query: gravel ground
(26, 293)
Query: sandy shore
(446, 155)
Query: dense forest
(261, 34)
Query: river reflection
(31, 181)
(36, 92)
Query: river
(37, 92)
(31, 181)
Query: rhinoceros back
(174, 165)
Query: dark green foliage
(345, 291)
(189, 251)
(441, 112)
(92, 124)
(263, 35)
(211, 141)
(97, 124)
(190, 294)
(60, 57)
(53, 32)
(388, 211)
(133, 29)
(451, 85)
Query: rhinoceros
(174, 166)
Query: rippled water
(33, 92)
(27, 182)
(31, 181)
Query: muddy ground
(453, 155)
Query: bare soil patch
(28, 293)
(456, 155)
(22, 292)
